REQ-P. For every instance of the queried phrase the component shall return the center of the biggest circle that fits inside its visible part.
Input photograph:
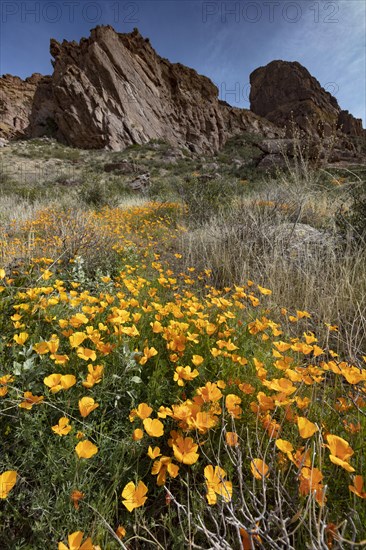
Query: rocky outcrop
(350, 125)
(16, 99)
(112, 89)
(42, 116)
(285, 93)
(299, 242)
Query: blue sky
(224, 40)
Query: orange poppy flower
(75, 497)
(120, 532)
(232, 439)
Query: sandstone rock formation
(112, 89)
(284, 92)
(16, 99)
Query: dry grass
(286, 239)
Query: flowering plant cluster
(151, 384)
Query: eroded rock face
(111, 90)
(42, 116)
(285, 91)
(350, 125)
(16, 98)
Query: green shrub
(203, 198)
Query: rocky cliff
(350, 125)
(111, 90)
(16, 99)
(284, 92)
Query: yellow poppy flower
(232, 403)
(134, 496)
(21, 338)
(153, 427)
(41, 348)
(63, 427)
(7, 482)
(153, 453)
(184, 373)
(95, 374)
(57, 382)
(30, 400)
(217, 485)
(259, 468)
(185, 449)
(137, 434)
(74, 541)
(148, 353)
(86, 449)
(306, 428)
(357, 487)
(86, 406)
(197, 360)
(162, 467)
(232, 439)
(143, 411)
(86, 354)
(76, 339)
(264, 291)
(341, 452)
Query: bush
(205, 198)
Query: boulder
(300, 241)
(272, 162)
(141, 183)
(171, 156)
(340, 155)
(123, 167)
(278, 146)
